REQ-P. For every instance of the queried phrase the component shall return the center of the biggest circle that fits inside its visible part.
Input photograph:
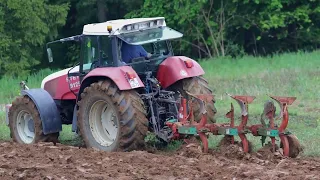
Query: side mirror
(50, 57)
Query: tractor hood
(61, 73)
(57, 75)
(58, 85)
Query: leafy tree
(24, 27)
(221, 27)
(264, 27)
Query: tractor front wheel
(196, 85)
(25, 123)
(110, 119)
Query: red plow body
(187, 126)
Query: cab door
(89, 54)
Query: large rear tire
(110, 119)
(25, 123)
(196, 85)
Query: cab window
(89, 52)
(96, 51)
(106, 51)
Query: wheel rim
(103, 122)
(25, 127)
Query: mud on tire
(24, 105)
(197, 85)
(130, 116)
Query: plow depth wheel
(25, 124)
(285, 145)
(110, 119)
(196, 85)
(294, 147)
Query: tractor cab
(142, 43)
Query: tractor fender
(174, 69)
(116, 74)
(49, 113)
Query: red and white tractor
(112, 104)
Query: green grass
(295, 74)
(10, 87)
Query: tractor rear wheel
(110, 119)
(25, 123)
(197, 85)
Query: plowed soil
(46, 161)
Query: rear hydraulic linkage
(187, 126)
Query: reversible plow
(186, 125)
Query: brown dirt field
(45, 161)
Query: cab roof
(119, 26)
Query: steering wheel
(93, 64)
(138, 59)
(154, 55)
(103, 54)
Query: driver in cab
(129, 52)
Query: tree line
(211, 28)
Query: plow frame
(187, 125)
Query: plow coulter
(186, 125)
